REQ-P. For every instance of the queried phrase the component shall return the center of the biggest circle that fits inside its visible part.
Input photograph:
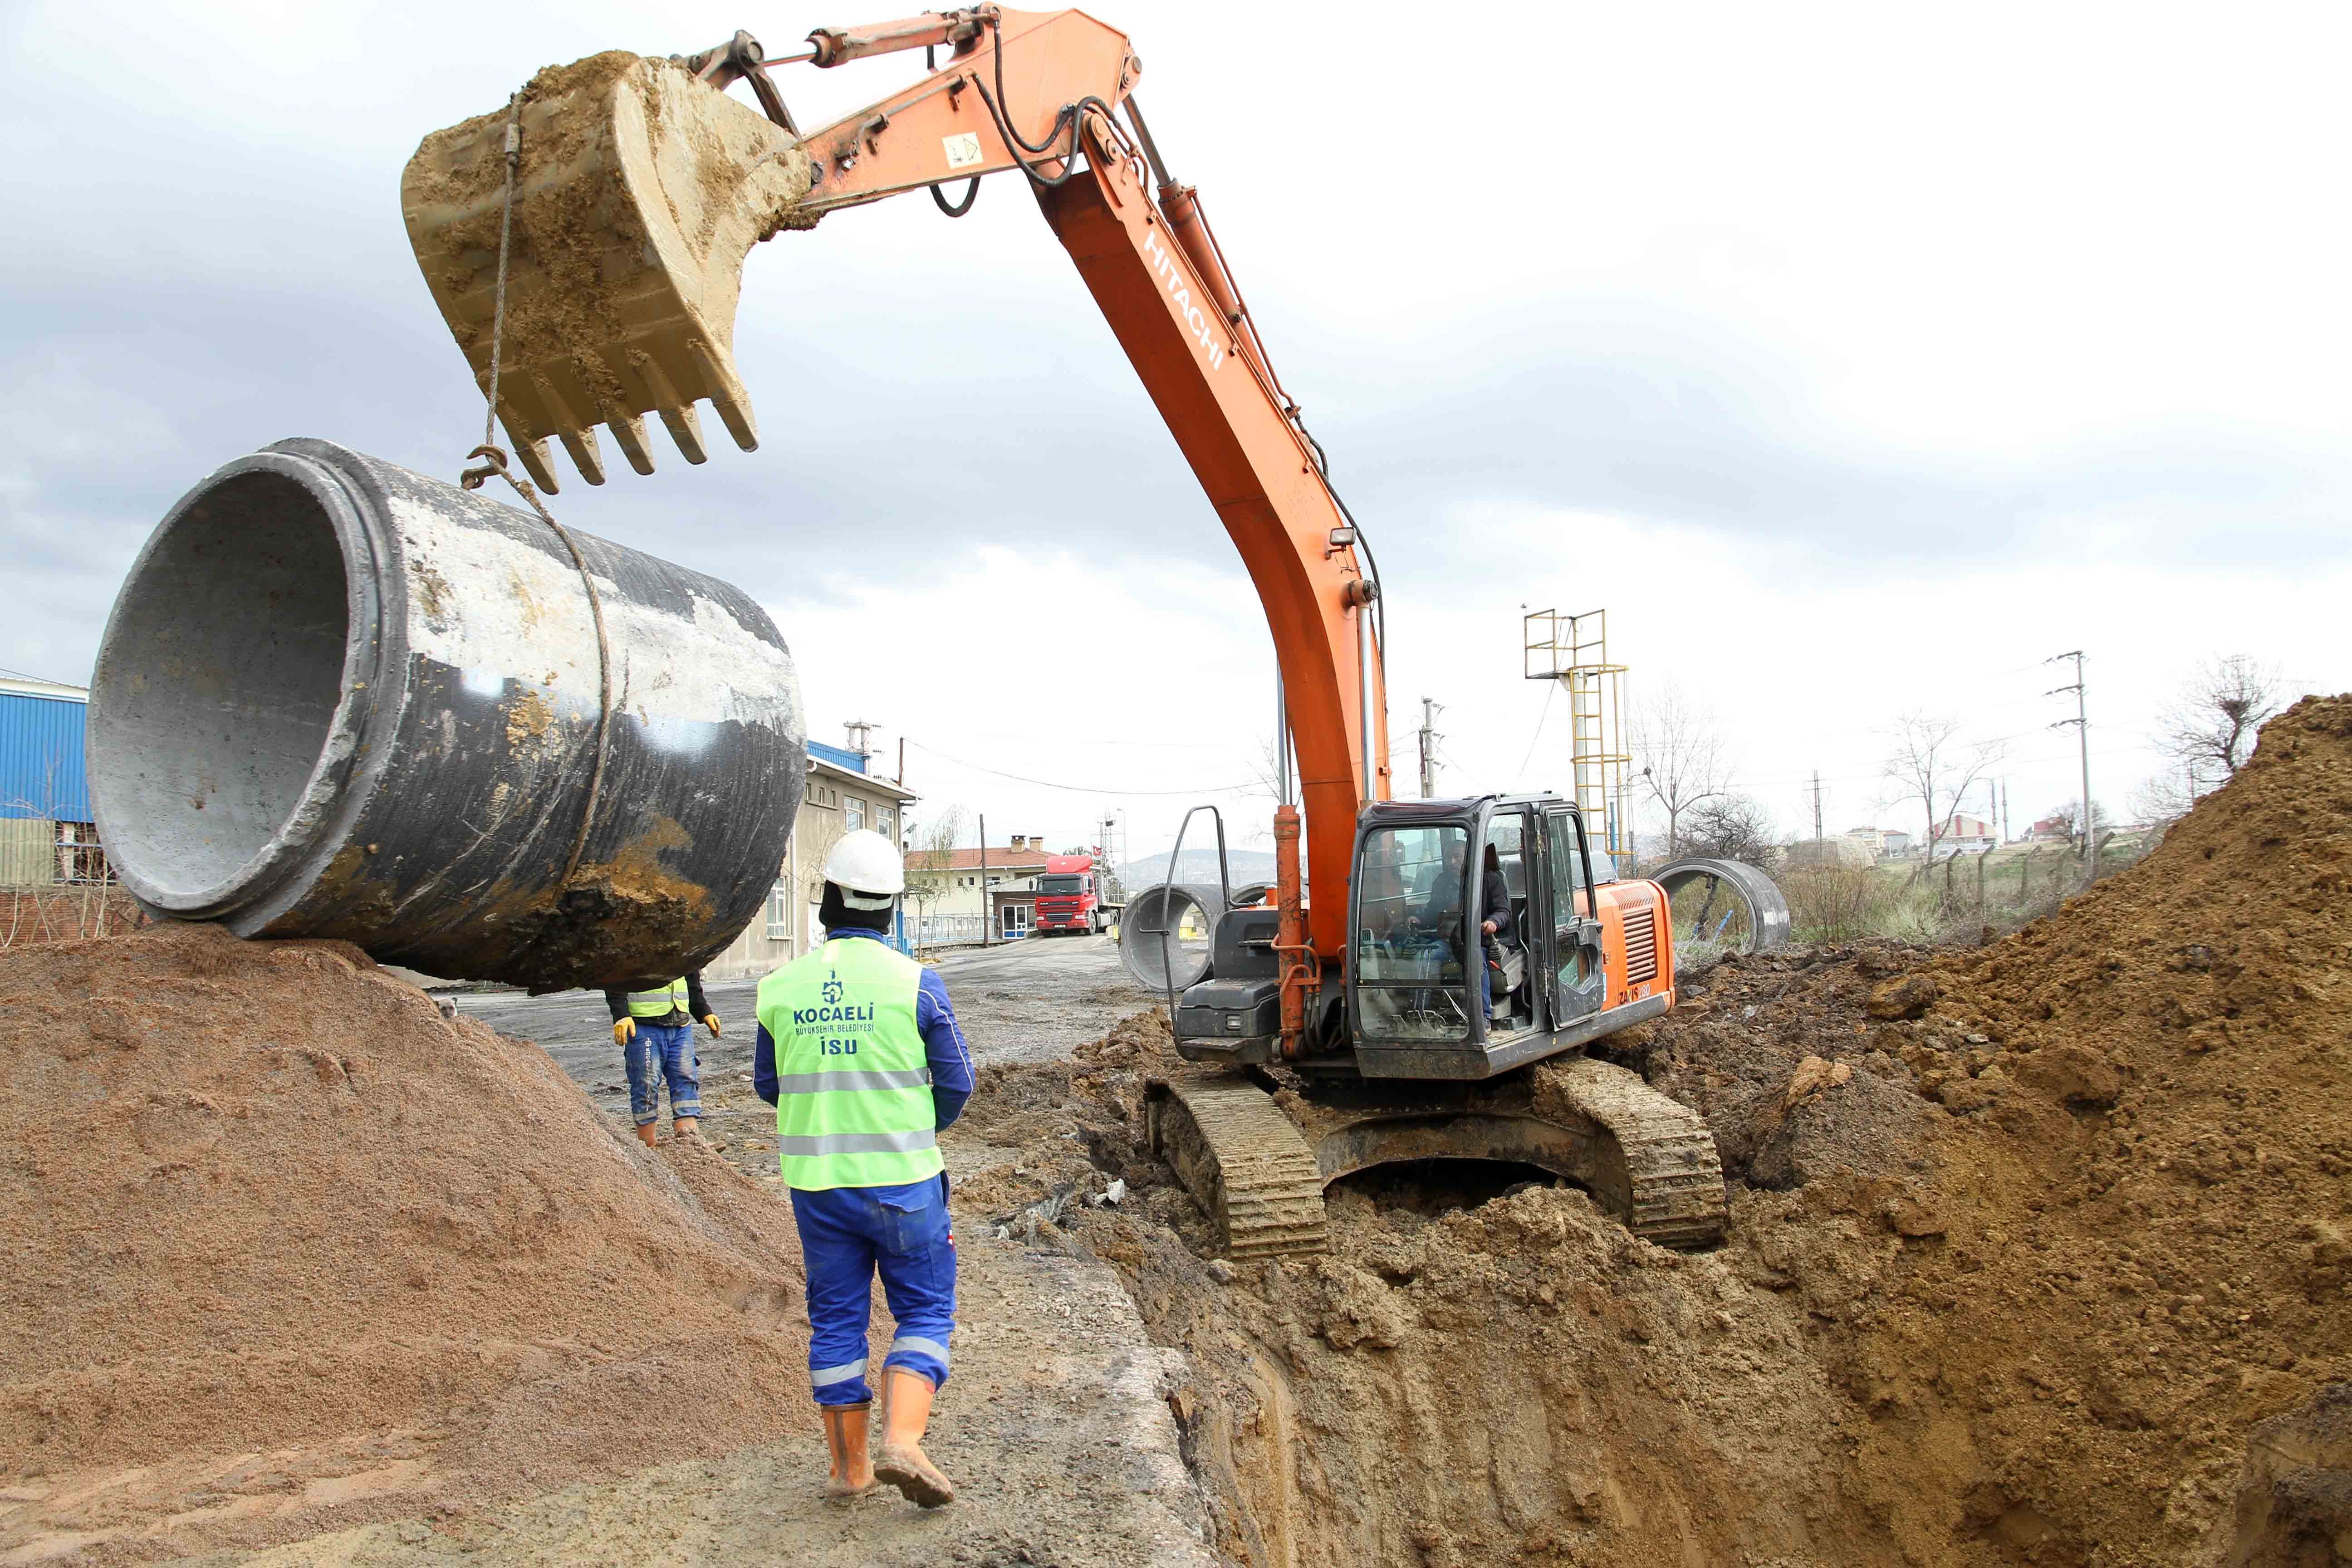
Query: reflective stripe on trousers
(847, 1235)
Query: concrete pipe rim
(1163, 905)
(1768, 907)
(324, 689)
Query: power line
(1086, 789)
(1551, 688)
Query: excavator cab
(1431, 992)
(1403, 1067)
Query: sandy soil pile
(2039, 1255)
(2143, 1185)
(292, 1240)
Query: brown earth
(288, 1244)
(2039, 1255)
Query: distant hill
(1200, 866)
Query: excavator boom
(638, 190)
(585, 246)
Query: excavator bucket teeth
(638, 192)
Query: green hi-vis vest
(670, 999)
(854, 1100)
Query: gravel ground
(1056, 1426)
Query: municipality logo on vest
(831, 989)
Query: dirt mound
(291, 1246)
(2039, 1255)
(1483, 1369)
(2144, 1184)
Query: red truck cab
(1070, 896)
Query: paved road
(1025, 1002)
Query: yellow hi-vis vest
(854, 1086)
(661, 1004)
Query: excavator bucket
(638, 190)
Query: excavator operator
(1495, 925)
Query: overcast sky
(1854, 358)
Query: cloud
(1756, 315)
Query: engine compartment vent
(1641, 946)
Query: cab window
(1409, 948)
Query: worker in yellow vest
(655, 1029)
(859, 1053)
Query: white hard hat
(864, 862)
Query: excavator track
(1658, 1168)
(1648, 1159)
(1235, 1150)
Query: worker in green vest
(859, 1053)
(655, 1029)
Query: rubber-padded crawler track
(1236, 1152)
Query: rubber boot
(899, 1458)
(647, 1136)
(851, 1475)
(687, 1127)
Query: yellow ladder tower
(1574, 651)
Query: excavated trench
(2037, 1256)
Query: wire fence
(944, 931)
(57, 885)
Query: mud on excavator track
(1259, 1161)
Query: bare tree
(1679, 754)
(1927, 762)
(2210, 726)
(933, 854)
(2071, 814)
(1730, 828)
(2163, 799)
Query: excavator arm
(663, 184)
(585, 247)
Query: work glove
(710, 1022)
(623, 1030)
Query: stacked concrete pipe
(339, 698)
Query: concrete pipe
(1176, 907)
(338, 698)
(1729, 894)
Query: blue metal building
(41, 770)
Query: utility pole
(2081, 723)
(1817, 805)
(983, 880)
(1429, 713)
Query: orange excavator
(584, 246)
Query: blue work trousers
(661, 1052)
(848, 1234)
